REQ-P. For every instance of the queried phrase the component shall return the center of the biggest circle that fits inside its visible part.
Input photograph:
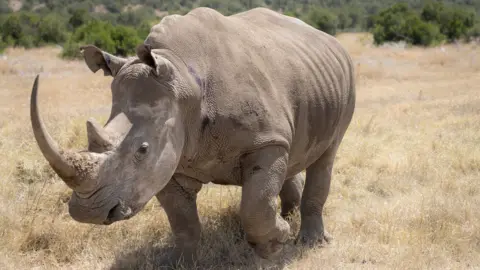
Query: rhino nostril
(112, 214)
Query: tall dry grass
(405, 193)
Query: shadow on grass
(222, 246)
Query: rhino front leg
(263, 174)
(291, 194)
(178, 199)
(315, 193)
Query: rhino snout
(86, 211)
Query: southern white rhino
(251, 99)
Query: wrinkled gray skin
(251, 100)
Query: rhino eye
(141, 152)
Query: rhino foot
(267, 250)
(313, 233)
(273, 247)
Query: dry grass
(405, 194)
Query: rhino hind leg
(291, 194)
(178, 199)
(315, 193)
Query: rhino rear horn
(102, 139)
(98, 139)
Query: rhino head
(134, 156)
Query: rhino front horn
(47, 145)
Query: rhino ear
(161, 66)
(97, 59)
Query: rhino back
(265, 78)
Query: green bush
(474, 32)
(95, 32)
(135, 17)
(323, 20)
(432, 11)
(453, 22)
(126, 40)
(400, 23)
(224, 7)
(118, 40)
(291, 13)
(144, 29)
(79, 17)
(29, 30)
(425, 34)
(344, 20)
(73, 22)
(20, 29)
(51, 30)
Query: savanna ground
(405, 192)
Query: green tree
(126, 40)
(323, 20)
(357, 18)
(112, 5)
(432, 11)
(52, 30)
(474, 32)
(79, 17)
(118, 40)
(423, 33)
(400, 23)
(94, 32)
(455, 23)
(20, 29)
(344, 21)
(144, 29)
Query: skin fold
(251, 99)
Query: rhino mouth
(117, 213)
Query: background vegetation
(118, 25)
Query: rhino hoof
(268, 250)
(310, 240)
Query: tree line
(119, 25)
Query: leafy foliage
(474, 32)
(454, 22)
(52, 30)
(323, 19)
(65, 22)
(434, 24)
(79, 17)
(119, 40)
(20, 29)
(400, 23)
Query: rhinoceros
(252, 99)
